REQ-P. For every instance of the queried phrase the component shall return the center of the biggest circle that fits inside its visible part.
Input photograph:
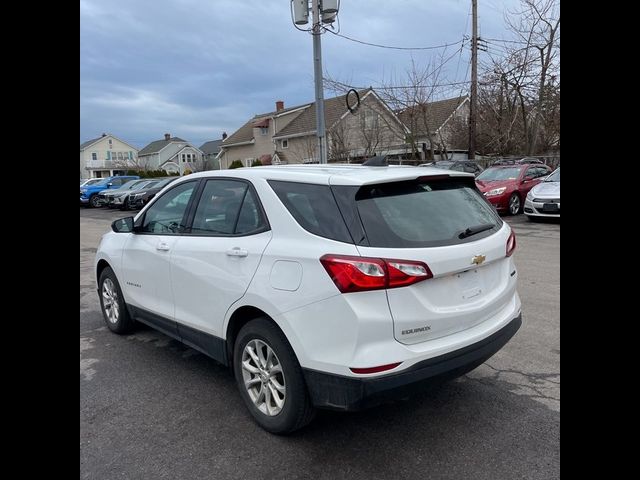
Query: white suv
(321, 286)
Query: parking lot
(151, 407)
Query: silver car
(543, 200)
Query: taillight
(511, 243)
(358, 274)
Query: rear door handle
(237, 252)
(162, 246)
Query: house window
(264, 130)
(248, 162)
(189, 157)
(94, 156)
(285, 143)
(183, 158)
(120, 157)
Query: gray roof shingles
(334, 108)
(212, 147)
(89, 142)
(156, 146)
(436, 114)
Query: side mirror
(109, 185)
(123, 225)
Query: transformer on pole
(322, 11)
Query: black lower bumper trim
(346, 393)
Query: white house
(172, 154)
(106, 156)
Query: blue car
(89, 194)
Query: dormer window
(264, 131)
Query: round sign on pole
(353, 100)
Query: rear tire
(114, 310)
(270, 378)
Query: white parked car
(543, 200)
(321, 286)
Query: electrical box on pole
(300, 12)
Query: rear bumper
(347, 393)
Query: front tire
(114, 310)
(514, 206)
(93, 201)
(270, 379)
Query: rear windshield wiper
(475, 229)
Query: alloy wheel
(263, 377)
(110, 300)
(514, 205)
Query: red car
(506, 186)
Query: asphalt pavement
(152, 408)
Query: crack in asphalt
(534, 376)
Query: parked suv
(140, 198)
(321, 286)
(105, 196)
(89, 194)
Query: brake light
(358, 274)
(511, 243)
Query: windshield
(554, 177)
(129, 185)
(149, 184)
(491, 174)
(444, 165)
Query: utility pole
(474, 82)
(317, 75)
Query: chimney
(279, 105)
(167, 136)
(224, 136)
(104, 134)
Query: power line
(520, 42)
(444, 45)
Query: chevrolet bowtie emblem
(478, 259)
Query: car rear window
(423, 213)
(314, 208)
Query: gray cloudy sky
(196, 68)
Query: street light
(323, 11)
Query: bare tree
(135, 163)
(410, 95)
(523, 80)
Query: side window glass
(165, 216)
(218, 207)
(250, 218)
